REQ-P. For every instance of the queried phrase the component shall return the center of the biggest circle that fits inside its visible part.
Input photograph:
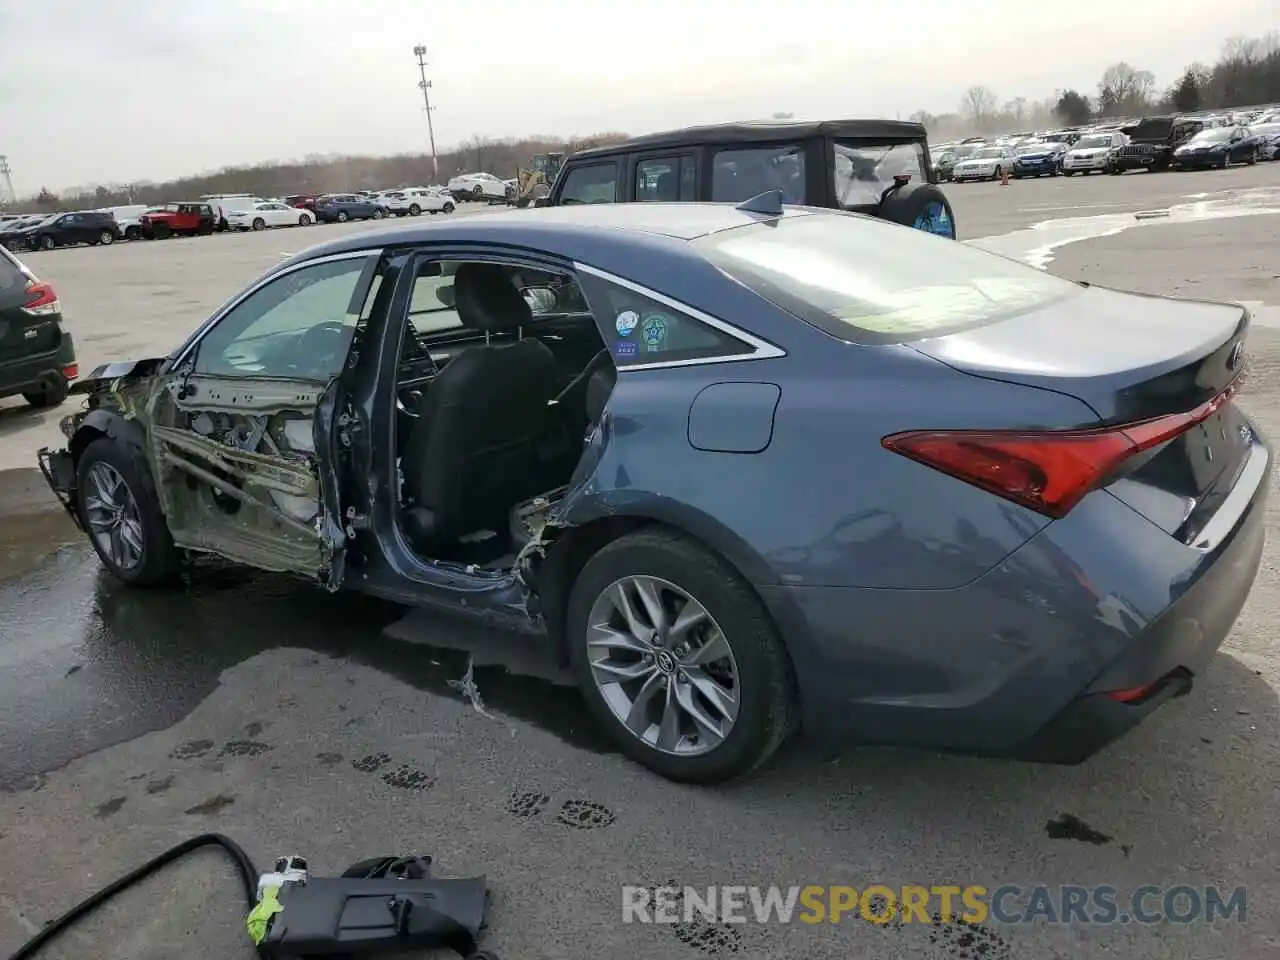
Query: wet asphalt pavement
(334, 726)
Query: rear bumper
(1019, 662)
(32, 374)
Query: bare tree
(1016, 110)
(924, 118)
(979, 105)
(1123, 89)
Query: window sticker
(627, 321)
(654, 331)
(626, 348)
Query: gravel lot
(298, 722)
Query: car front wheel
(678, 658)
(119, 509)
(448, 208)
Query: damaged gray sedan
(745, 466)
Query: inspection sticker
(626, 322)
(626, 348)
(655, 330)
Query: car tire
(414, 210)
(259, 223)
(448, 207)
(1252, 158)
(377, 215)
(342, 216)
(132, 233)
(1068, 173)
(920, 205)
(756, 660)
(106, 238)
(1226, 161)
(51, 396)
(156, 560)
(477, 191)
(304, 220)
(47, 242)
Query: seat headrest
(487, 299)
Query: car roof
(763, 131)
(585, 232)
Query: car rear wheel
(414, 210)
(678, 658)
(132, 233)
(304, 220)
(477, 191)
(377, 214)
(448, 207)
(47, 242)
(342, 216)
(259, 223)
(106, 238)
(118, 506)
(53, 394)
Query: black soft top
(766, 131)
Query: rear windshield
(869, 281)
(12, 276)
(863, 173)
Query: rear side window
(862, 173)
(596, 183)
(640, 330)
(868, 281)
(666, 180)
(738, 175)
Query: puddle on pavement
(1036, 244)
(88, 662)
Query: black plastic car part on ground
(37, 356)
(851, 165)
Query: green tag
(260, 916)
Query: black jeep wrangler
(878, 167)
(1152, 141)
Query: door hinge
(348, 425)
(356, 521)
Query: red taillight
(1048, 471)
(71, 371)
(41, 300)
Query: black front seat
(473, 451)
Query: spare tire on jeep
(919, 205)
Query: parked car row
(1150, 143)
(212, 214)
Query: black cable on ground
(245, 866)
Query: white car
(1268, 137)
(478, 186)
(416, 200)
(985, 163)
(268, 213)
(1092, 152)
(127, 218)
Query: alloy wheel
(111, 510)
(663, 666)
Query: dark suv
(878, 167)
(1152, 141)
(37, 356)
(92, 226)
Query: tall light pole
(7, 194)
(421, 53)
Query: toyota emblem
(1236, 355)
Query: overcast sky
(95, 91)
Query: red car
(303, 201)
(188, 219)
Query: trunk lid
(1130, 358)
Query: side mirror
(541, 300)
